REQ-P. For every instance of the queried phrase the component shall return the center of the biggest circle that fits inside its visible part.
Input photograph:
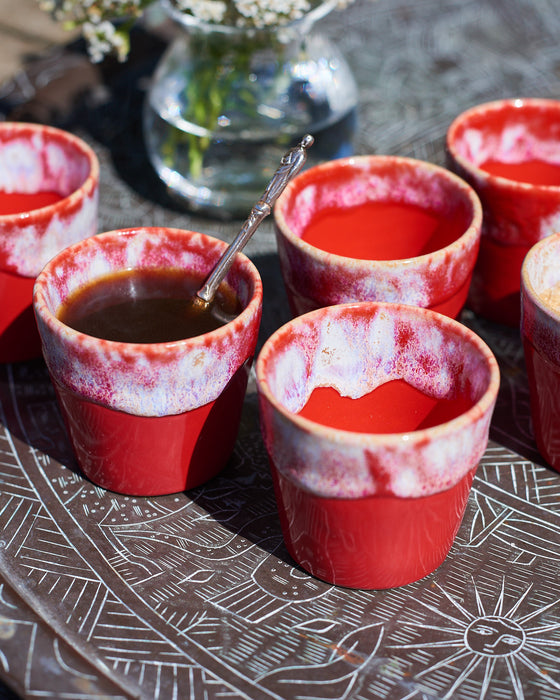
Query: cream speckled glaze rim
(145, 379)
(497, 106)
(28, 240)
(365, 163)
(407, 280)
(540, 321)
(289, 436)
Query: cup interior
(377, 189)
(116, 251)
(509, 132)
(36, 158)
(357, 348)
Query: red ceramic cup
(369, 509)
(377, 228)
(148, 419)
(48, 199)
(509, 151)
(540, 330)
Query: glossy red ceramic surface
(372, 542)
(144, 419)
(534, 171)
(147, 456)
(392, 407)
(494, 291)
(57, 175)
(19, 338)
(18, 203)
(540, 329)
(517, 213)
(544, 390)
(344, 477)
(439, 279)
(380, 230)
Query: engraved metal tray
(193, 595)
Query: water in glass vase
(258, 114)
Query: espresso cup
(377, 228)
(509, 151)
(49, 183)
(148, 418)
(375, 417)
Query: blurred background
(25, 32)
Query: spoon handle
(290, 165)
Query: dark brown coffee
(146, 306)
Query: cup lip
(386, 440)
(497, 106)
(436, 257)
(22, 128)
(58, 328)
(527, 287)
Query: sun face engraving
(494, 636)
(492, 648)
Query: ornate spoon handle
(290, 165)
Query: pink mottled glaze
(145, 379)
(315, 278)
(355, 348)
(515, 214)
(369, 510)
(36, 158)
(540, 330)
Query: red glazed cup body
(540, 331)
(373, 510)
(315, 277)
(155, 418)
(38, 159)
(516, 214)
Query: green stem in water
(216, 87)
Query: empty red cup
(540, 330)
(509, 151)
(48, 200)
(148, 418)
(373, 481)
(377, 228)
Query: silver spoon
(290, 165)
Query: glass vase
(226, 103)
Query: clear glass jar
(226, 103)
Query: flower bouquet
(243, 80)
(96, 17)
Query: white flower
(95, 16)
(103, 39)
(265, 13)
(206, 10)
